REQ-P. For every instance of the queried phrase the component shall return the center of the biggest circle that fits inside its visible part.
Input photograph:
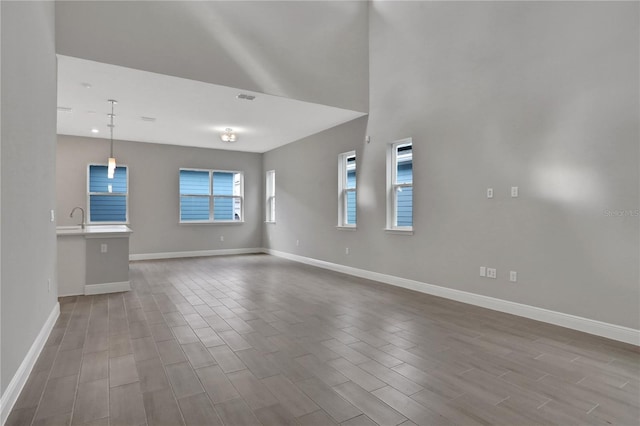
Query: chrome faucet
(82, 211)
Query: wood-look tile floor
(252, 340)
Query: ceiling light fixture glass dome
(228, 135)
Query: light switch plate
(492, 273)
(489, 192)
(483, 271)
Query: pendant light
(111, 165)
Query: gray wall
(153, 192)
(539, 95)
(313, 51)
(28, 175)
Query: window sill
(399, 231)
(346, 228)
(237, 222)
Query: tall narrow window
(347, 189)
(211, 196)
(400, 186)
(107, 198)
(270, 206)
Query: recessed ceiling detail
(193, 113)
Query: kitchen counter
(93, 259)
(93, 230)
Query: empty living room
(319, 213)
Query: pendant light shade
(111, 168)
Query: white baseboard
(599, 328)
(197, 253)
(11, 394)
(106, 288)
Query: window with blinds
(211, 196)
(108, 198)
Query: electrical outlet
(514, 191)
(221, 237)
(513, 276)
(346, 250)
(103, 248)
(492, 273)
(483, 271)
(489, 192)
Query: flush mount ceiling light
(228, 135)
(95, 131)
(111, 165)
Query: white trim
(10, 395)
(89, 194)
(343, 188)
(347, 227)
(103, 288)
(392, 185)
(211, 196)
(270, 196)
(399, 231)
(599, 328)
(198, 253)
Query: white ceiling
(187, 112)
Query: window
(270, 207)
(347, 189)
(108, 198)
(211, 196)
(400, 186)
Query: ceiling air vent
(150, 119)
(245, 97)
(65, 109)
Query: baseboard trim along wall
(598, 328)
(103, 288)
(11, 394)
(197, 253)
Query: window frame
(344, 190)
(393, 187)
(110, 194)
(270, 197)
(211, 196)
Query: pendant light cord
(111, 128)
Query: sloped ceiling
(313, 51)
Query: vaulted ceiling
(183, 63)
